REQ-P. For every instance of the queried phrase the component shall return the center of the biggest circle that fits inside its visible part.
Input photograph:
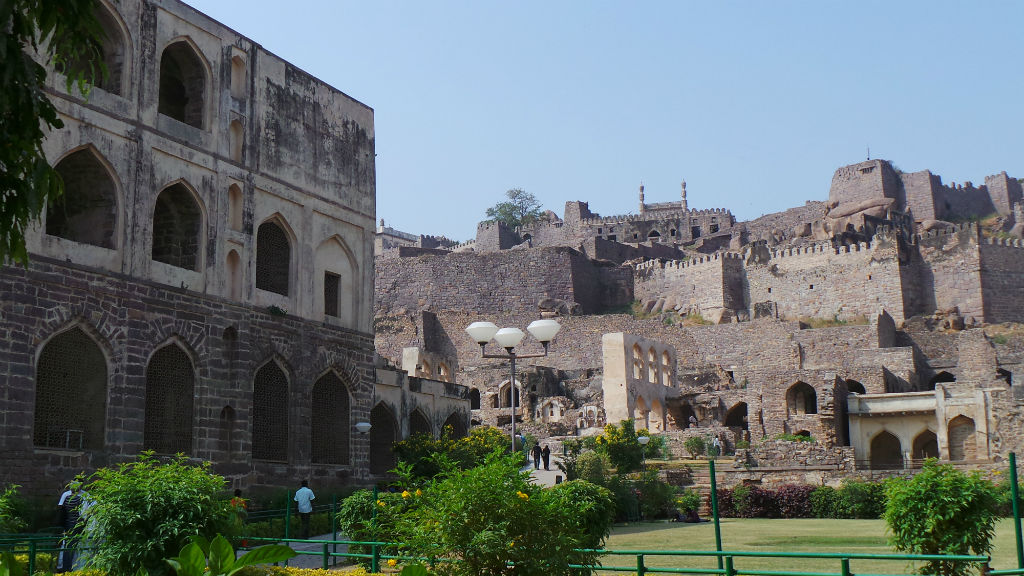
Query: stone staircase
(701, 481)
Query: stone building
(205, 286)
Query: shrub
(142, 512)
(794, 501)
(826, 503)
(10, 520)
(365, 517)
(657, 498)
(593, 467)
(621, 445)
(688, 501)
(425, 455)
(319, 523)
(592, 510)
(754, 502)
(479, 520)
(726, 506)
(862, 499)
(786, 437)
(627, 502)
(941, 510)
(696, 446)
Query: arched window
(383, 434)
(855, 387)
(235, 207)
(963, 441)
(443, 373)
(505, 392)
(926, 445)
(330, 421)
(234, 275)
(638, 362)
(455, 425)
(652, 366)
(177, 228)
(270, 413)
(71, 393)
(666, 369)
(114, 54)
(87, 212)
(426, 370)
(183, 85)
(801, 399)
(273, 258)
(886, 452)
(419, 424)
(237, 77)
(736, 417)
(235, 140)
(170, 393)
(474, 399)
(653, 235)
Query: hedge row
(851, 500)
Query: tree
(66, 34)
(941, 510)
(521, 209)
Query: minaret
(683, 204)
(641, 198)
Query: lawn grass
(776, 535)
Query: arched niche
(70, 393)
(183, 84)
(273, 256)
(337, 281)
(886, 451)
(801, 399)
(178, 231)
(270, 413)
(419, 424)
(170, 398)
(88, 211)
(330, 420)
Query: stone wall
(506, 280)
(226, 342)
(870, 180)
(1002, 280)
(949, 271)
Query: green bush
(696, 446)
(941, 510)
(620, 444)
(862, 499)
(826, 502)
(364, 517)
(786, 437)
(657, 498)
(319, 523)
(10, 520)
(479, 520)
(688, 501)
(144, 511)
(593, 467)
(592, 510)
(427, 456)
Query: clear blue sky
(754, 104)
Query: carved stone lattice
(330, 426)
(71, 393)
(270, 414)
(170, 389)
(383, 433)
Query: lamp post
(643, 440)
(508, 338)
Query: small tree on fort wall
(522, 208)
(941, 510)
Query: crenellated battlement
(971, 227)
(680, 264)
(1008, 242)
(655, 217)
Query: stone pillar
(683, 203)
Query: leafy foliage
(10, 520)
(941, 510)
(142, 512)
(72, 34)
(422, 457)
(591, 506)
(521, 209)
(217, 558)
(657, 498)
(794, 501)
(688, 501)
(620, 444)
(862, 499)
(695, 445)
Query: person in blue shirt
(304, 496)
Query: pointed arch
(886, 451)
(963, 441)
(115, 54)
(70, 392)
(270, 408)
(666, 369)
(474, 399)
(656, 420)
(235, 207)
(238, 77)
(184, 81)
(330, 420)
(638, 362)
(337, 281)
(640, 412)
(419, 424)
(456, 424)
(505, 392)
(801, 399)
(383, 434)
(170, 398)
(234, 266)
(652, 366)
(274, 255)
(178, 227)
(926, 445)
(855, 387)
(88, 211)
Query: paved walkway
(546, 477)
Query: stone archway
(926, 445)
(963, 441)
(886, 452)
(736, 417)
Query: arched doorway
(419, 424)
(940, 378)
(886, 452)
(963, 442)
(801, 399)
(854, 387)
(455, 425)
(926, 445)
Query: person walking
(546, 454)
(536, 456)
(70, 512)
(304, 496)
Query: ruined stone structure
(205, 285)
(910, 362)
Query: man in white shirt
(304, 496)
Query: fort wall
(949, 272)
(1002, 279)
